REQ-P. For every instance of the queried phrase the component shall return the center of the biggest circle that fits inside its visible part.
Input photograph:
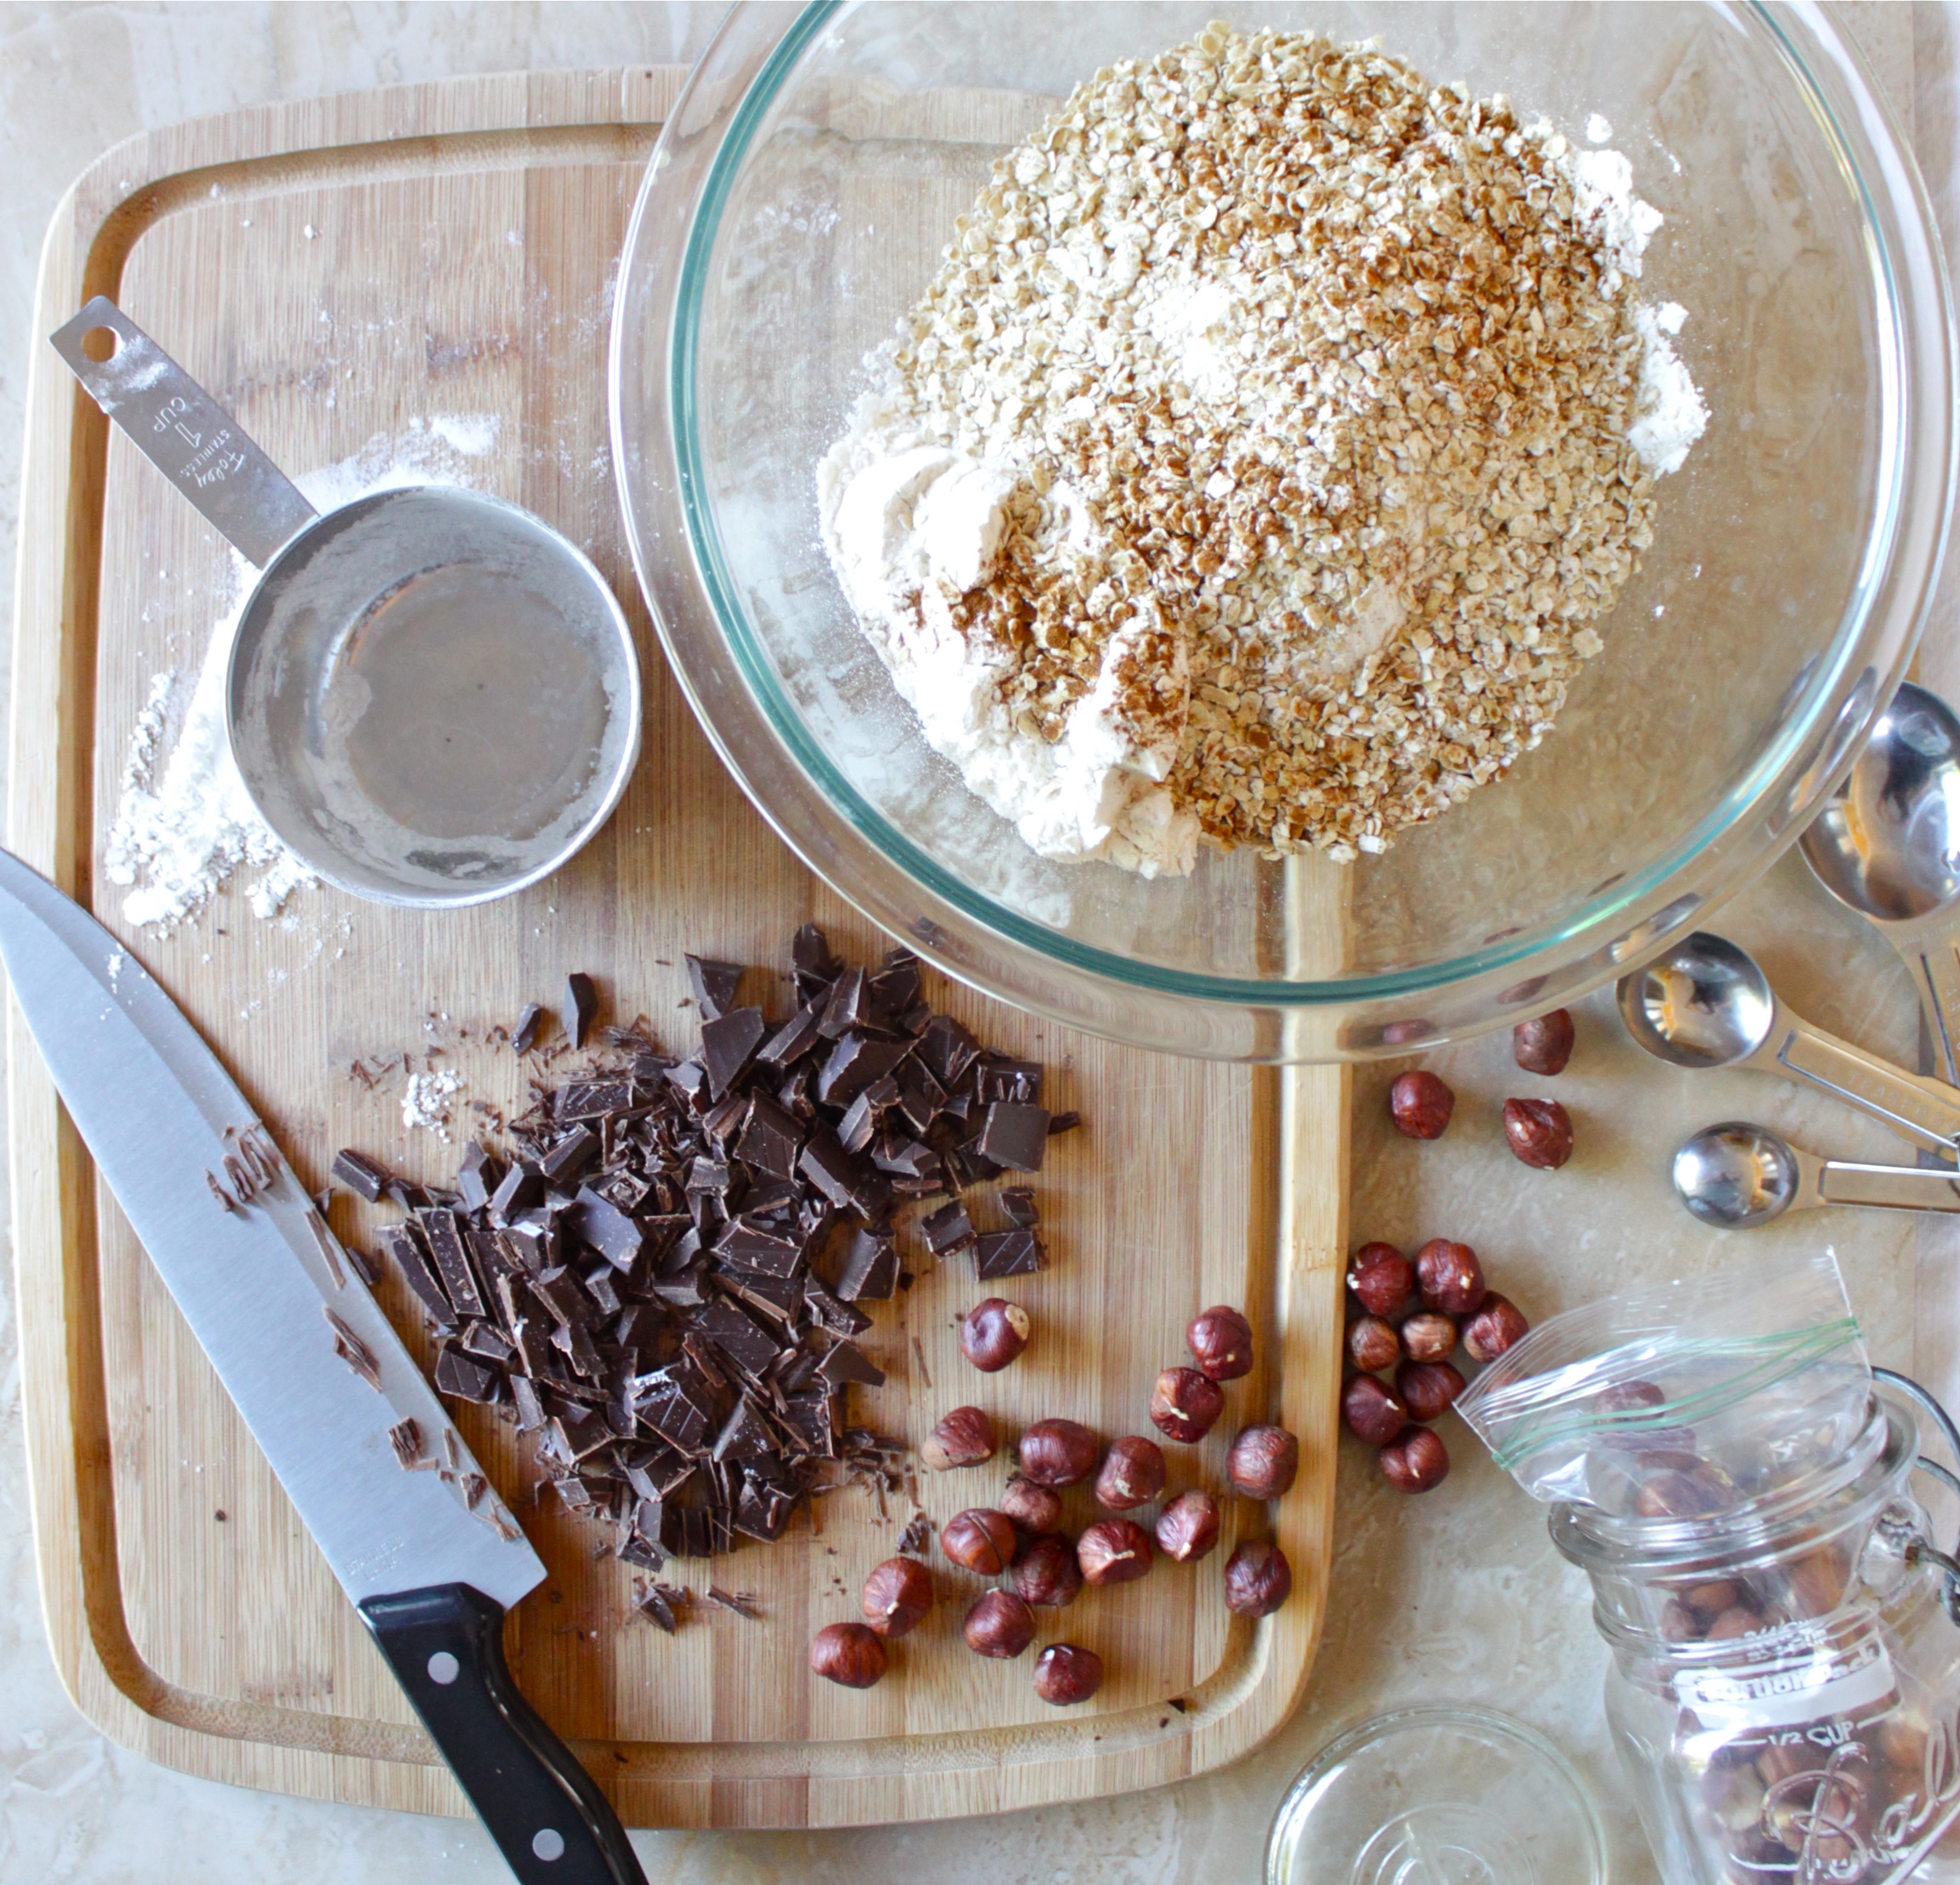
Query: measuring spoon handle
(1927, 1112)
(1896, 1187)
(185, 434)
(1932, 953)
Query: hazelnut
(1682, 1492)
(1450, 1276)
(1221, 1340)
(1064, 1675)
(1544, 1044)
(1000, 1624)
(1415, 1461)
(1428, 1337)
(1264, 1462)
(897, 1597)
(1421, 1104)
(993, 1334)
(1132, 1473)
(846, 1653)
(1629, 1396)
(964, 1438)
(1427, 1388)
(1032, 1508)
(1372, 1413)
(1498, 1325)
(1678, 1624)
(981, 1540)
(1257, 1578)
(1045, 1571)
(1708, 1601)
(1735, 1621)
(1540, 1132)
(1184, 1404)
(1374, 1344)
(1188, 1527)
(1059, 1452)
(1113, 1551)
(1381, 1278)
(1814, 1585)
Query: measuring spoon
(1705, 1003)
(1888, 846)
(433, 697)
(1738, 1175)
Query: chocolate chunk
(570, 1156)
(452, 1262)
(481, 1340)
(362, 1175)
(794, 1039)
(920, 1096)
(859, 1124)
(746, 1244)
(676, 1419)
(750, 1346)
(478, 1176)
(727, 1045)
(812, 1418)
(558, 1291)
(770, 1140)
(720, 1123)
(855, 1063)
(871, 1268)
(1015, 1136)
(840, 1318)
(810, 952)
(593, 1099)
(714, 985)
(894, 988)
(1064, 1122)
(845, 1361)
(1009, 1253)
(708, 1175)
(404, 1244)
(948, 1050)
(1018, 1202)
(690, 1080)
(758, 1515)
(521, 1187)
(601, 1288)
(778, 1299)
(582, 1003)
(907, 1158)
(1018, 1080)
(524, 1037)
(606, 1228)
(531, 1336)
(578, 1437)
(948, 1230)
(468, 1379)
(968, 1164)
(524, 1395)
(828, 1166)
(746, 1434)
(367, 1268)
(574, 1340)
(849, 1006)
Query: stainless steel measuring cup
(433, 697)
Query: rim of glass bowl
(754, 726)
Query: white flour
(180, 834)
(425, 1101)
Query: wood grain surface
(349, 272)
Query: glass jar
(1785, 1685)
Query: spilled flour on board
(426, 1100)
(184, 824)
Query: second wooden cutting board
(420, 278)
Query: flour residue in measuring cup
(184, 824)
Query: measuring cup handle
(1924, 1111)
(185, 434)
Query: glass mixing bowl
(795, 207)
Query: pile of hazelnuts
(1411, 1317)
(1020, 1537)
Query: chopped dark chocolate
(855, 1063)
(794, 1039)
(840, 1318)
(714, 985)
(1015, 1136)
(524, 1037)
(606, 1228)
(845, 1361)
(1019, 1080)
(570, 1155)
(1018, 1202)
(403, 1242)
(771, 1138)
(1064, 1122)
(745, 1342)
(728, 1045)
(870, 1271)
(849, 1006)
(468, 1379)
(365, 1177)
(948, 1050)
(582, 1003)
(405, 1437)
(479, 1174)
(747, 1243)
(520, 1188)
(948, 1230)
(452, 1262)
(1009, 1253)
(593, 1099)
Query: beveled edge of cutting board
(516, 119)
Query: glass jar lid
(1438, 1797)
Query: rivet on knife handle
(184, 433)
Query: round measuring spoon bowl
(1737, 1176)
(433, 697)
(1703, 1004)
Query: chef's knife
(430, 1557)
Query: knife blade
(256, 1273)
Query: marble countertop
(1457, 1596)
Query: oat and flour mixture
(1257, 464)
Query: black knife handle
(552, 1825)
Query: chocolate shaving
(919, 1354)
(582, 1003)
(405, 1436)
(743, 1604)
(352, 1349)
(524, 1037)
(330, 1249)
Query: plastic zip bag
(1735, 1383)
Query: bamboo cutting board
(434, 264)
